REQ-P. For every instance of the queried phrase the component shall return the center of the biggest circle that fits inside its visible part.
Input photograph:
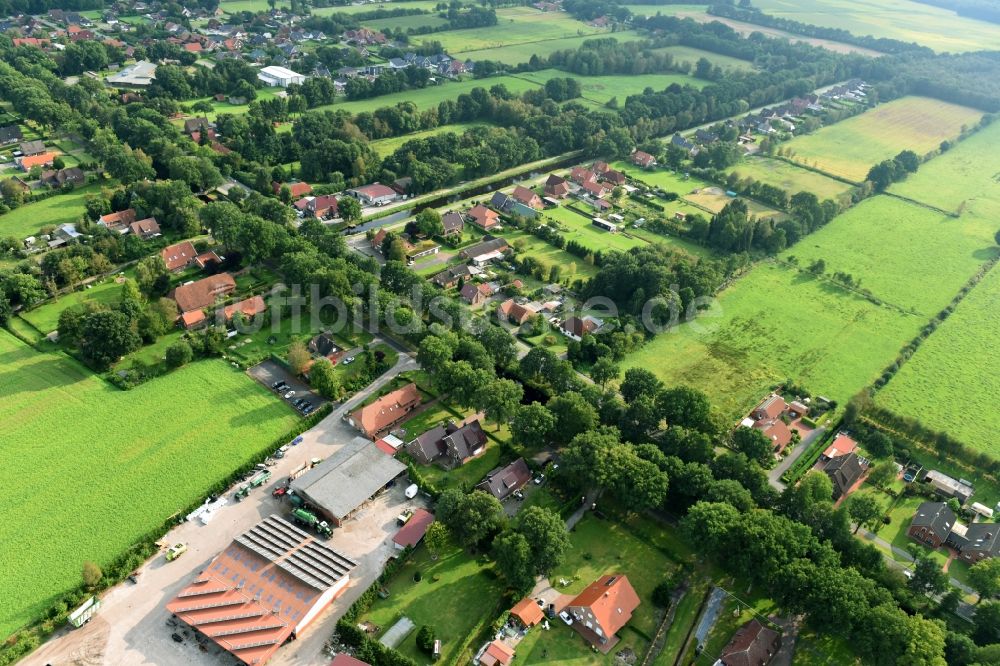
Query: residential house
(378, 239)
(705, 136)
(979, 541)
(449, 277)
(753, 644)
(412, 533)
(503, 482)
(322, 207)
(179, 256)
(595, 190)
(613, 177)
(577, 327)
(248, 308)
(192, 125)
(10, 134)
(32, 147)
(119, 221)
(514, 312)
(402, 185)
(776, 431)
(28, 162)
(207, 260)
(476, 294)
(580, 175)
(297, 190)
(841, 445)
(375, 194)
(453, 223)
(502, 202)
(57, 178)
(192, 298)
(949, 487)
(486, 251)
(496, 653)
(556, 187)
(680, 142)
(386, 412)
(483, 217)
(931, 524)
(527, 613)
(450, 445)
(323, 345)
(145, 229)
(642, 159)
(364, 36)
(602, 609)
(36, 42)
(344, 659)
(526, 197)
(770, 408)
(844, 472)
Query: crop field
(406, 22)
(516, 25)
(517, 53)
(54, 211)
(667, 10)
(905, 20)
(851, 147)
(911, 257)
(952, 383)
(388, 146)
(600, 89)
(579, 229)
(773, 324)
(360, 9)
(129, 461)
(789, 177)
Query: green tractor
(307, 519)
(259, 479)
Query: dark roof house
(451, 444)
(844, 472)
(753, 644)
(503, 481)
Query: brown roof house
(248, 308)
(476, 294)
(844, 472)
(71, 175)
(503, 481)
(410, 534)
(641, 159)
(556, 187)
(450, 445)
(932, 524)
(453, 223)
(576, 327)
(193, 297)
(484, 218)
(514, 312)
(145, 229)
(602, 609)
(525, 196)
(527, 612)
(753, 644)
(387, 411)
(119, 221)
(179, 256)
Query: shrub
(179, 354)
(425, 639)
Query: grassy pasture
(406, 22)
(789, 177)
(225, 107)
(517, 53)
(516, 25)
(600, 89)
(952, 383)
(46, 316)
(934, 27)
(233, 6)
(849, 148)
(579, 229)
(130, 461)
(54, 211)
(777, 323)
(907, 255)
(360, 9)
(389, 146)
(549, 255)
(693, 55)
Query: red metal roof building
(262, 590)
(410, 534)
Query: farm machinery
(258, 479)
(308, 519)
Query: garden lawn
(515, 26)
(790, 178)
(129, 462)
(464, 594)
(469, 474)
(934, 27)
(386, 147)
(46, 316)
(776, 323)
(520, 53)
(952, 383)
(580, 229)
(909, 256)
(263, 94)
(571, 266)
(58, 209)
(851, 147)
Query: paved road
(774, 476)
(130, 627)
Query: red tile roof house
(613, 177)
(27, 162)
(527, 197)
(298, 190)
(386, 412)
(771, 407)
(766, 417)
(602, 609)
(476, 294)
(119, 221)
(194, 297)
(514, 313)
(556, 187)
(496, 653)
(179, 256)
(753, 644)
(322, 207)
(412, 533)
(575, 327)
(842, 445)
(145, 229)
(641, 159)
(527, 612)
(249, 308)
(579, 175)
(484, 218)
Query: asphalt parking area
(269, 372)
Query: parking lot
(269, 372)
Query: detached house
(119, 221)
(454, 224)
(514, 312)
(556, 187)
(752, 645)
(476, 294)
(935, 525)
(844, 472)
(601, 610)
(386, 412)
(641, 159)
(179, 256)
(484, 218)
(526, 197)
(145, 229)
(450, 445)
(503, 482)
(194, 297)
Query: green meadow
(516, 25)
(789, 177)
(389, 146)
(778, 323)
(851, 147)
(515, 54)
(59, 209)
(129, 461)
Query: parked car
(348, 360)
(566, 617)
(277, 384)
(280, 386)
(289, 395)
(299, 402)
(176, 551)
(539, 479)
(307, 410)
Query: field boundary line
(869, 296)
(949, 213)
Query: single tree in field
(863, 509)
(92, 574)
(984, 576)
(298, 357)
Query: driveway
(131, 627)
(774, 476)
(268, 372)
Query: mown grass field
(46, 316)
(406, 22)
(54, 211)
(515, 25)
(789, 177)
(600, 89)
(358, 9)
(693, 55)
(515, 54)
(773, 324)
(939, 29)
(389, 146)
(128, 462)
(952, 383)
(549, 255)
(849, 148)
(579, 228)
(909, 256)
(263, 94)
